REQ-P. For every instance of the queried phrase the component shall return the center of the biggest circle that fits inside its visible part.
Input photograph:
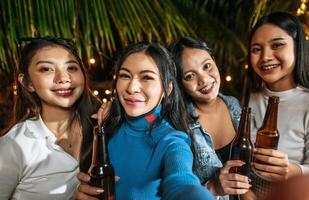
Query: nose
(203, 78)
(62, 77)
(267, 55)
(134, 86)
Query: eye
(255, 50)
(189, 77)
(147, 77)
(73, 68)
(207, 66)
(124, 76)
(277, 45)
(45, 69)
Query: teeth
(63, 91)
(207, 87)
(269, 67)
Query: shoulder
(230, 101)
(11, 148)
(16, 131)
(22, 138)
(233, 106)
(168, 134)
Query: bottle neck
(243, 131)
(270, 118)
(99, 154)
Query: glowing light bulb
(228, 78)
(92, 60)
(96, 92)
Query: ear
(21, 80)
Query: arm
(10, 167)
(178, 177)
(305, 165)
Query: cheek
(189, 86)
(254, 60)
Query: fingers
(82, 177)
(86, 192)
(233, 183)
(89, 190)
(229, 164)
(270, 152)
(272, 164)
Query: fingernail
(99, 190)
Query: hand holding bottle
(274, 164)
(85, 191)
(233, 183)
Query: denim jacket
(206, 162)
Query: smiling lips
(64, 92)
(132, 101)
(207, 89)
(268, 68)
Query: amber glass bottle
(241, 147)
(268, 135)
(101, 171)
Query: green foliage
(101, 26)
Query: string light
(246, 66)
(107, 92)
(92, 61)
(96, 92)
(104, 100)
(228, 78)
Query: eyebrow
(49, 62)
(141, 72)
(203, 62)
(272, 40)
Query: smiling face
(139, 86)
(273, 57)
(56, 77)
(201, 75)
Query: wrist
(294, 170)
(211, 187)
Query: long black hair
(293, 27)
(173, 109)
(28, 104)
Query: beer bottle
(242, 147)
(268, 135)
(101, 171)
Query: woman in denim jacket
(214, 118)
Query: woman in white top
(39, 155)
(279, 59)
